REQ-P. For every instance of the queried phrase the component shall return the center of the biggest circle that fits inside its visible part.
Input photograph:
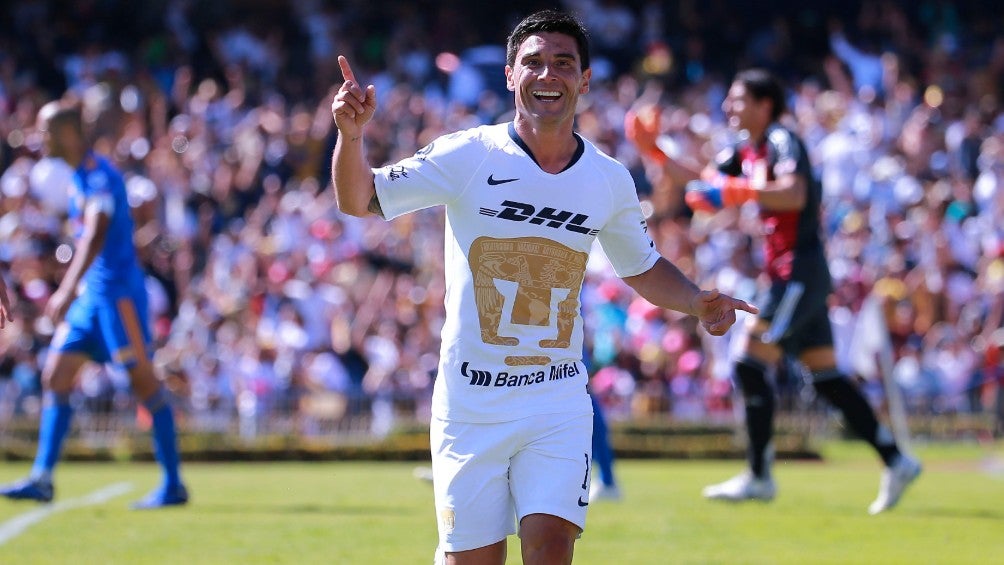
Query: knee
(143, 380)
(56, 382)
(548, 550)
(547, 539)
(751, 377)
(832, 385)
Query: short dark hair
(548, 21)
(761, 83)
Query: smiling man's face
(547, 78)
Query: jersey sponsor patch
(510, 379)
(546, 216)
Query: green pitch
(377, 513)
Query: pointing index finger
(747, 307)
(347, 73)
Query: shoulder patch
(424, 152)
(781, 139)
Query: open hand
(57, 305)
(641, 127)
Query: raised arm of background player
(352, 108)
(710, 190)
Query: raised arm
(352, 108)
(641, 127)
(665, 286)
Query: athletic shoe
(895, 479)
(600, 491)
(29, 489)
(742, 487)
(163, 497)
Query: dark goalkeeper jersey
(788, 234)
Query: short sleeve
(435, 175)
(788, 152)
(624, 238)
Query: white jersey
(517, 242)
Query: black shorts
(797, 309)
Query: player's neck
(552, 147)
(73, 157)
(75, 161)
(756, 135)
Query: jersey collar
(580, 147)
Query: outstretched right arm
(351, 176)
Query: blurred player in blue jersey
(605, 486)
(100, 313)
(603, 458)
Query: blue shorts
(109, 328)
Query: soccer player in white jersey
(511, 425)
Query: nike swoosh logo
(582, 503)
(492, 181)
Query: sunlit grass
(377, 513)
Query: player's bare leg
(493, 554)
(155, 399)
(547, 539)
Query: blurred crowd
(269, 305)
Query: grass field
(376, 513)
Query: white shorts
(487, 477)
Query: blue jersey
(97, 179)
(109, 320)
